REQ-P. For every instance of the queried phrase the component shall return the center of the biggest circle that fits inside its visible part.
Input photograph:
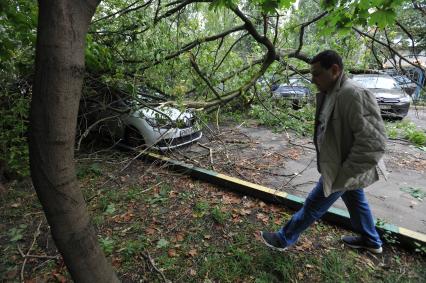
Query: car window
(282, 88)
(377, 82)
(403, 80)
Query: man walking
(350, 139)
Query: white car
(162, 128)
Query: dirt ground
(287, 162)
(155, 225)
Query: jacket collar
(321, 95)
(338, 85)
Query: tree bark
(62, 28)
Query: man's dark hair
(327, 58)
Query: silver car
(159, 127)
(393, 101)
(162, 128)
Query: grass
(192, 232)
(406, 130)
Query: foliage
(421, 249)
(415, 23)
(280, 116)
(407, 130)
(219, 215)
(88, 170)
(417, 193)
(162, 243)
(13, 125)
(107, 244)
(266, 6)
(17, 39)
(16, 234)
(128, 48)
(387, 236)
(345, 14)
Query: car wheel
(132, 137)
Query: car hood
(171, 112)
(292, 90)
(387, 93)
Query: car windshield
(287, 87)
(298, 82)
(402, 80)
(377, 82)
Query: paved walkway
(389, 200)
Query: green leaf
(110, 209)
(284, 4)
(382, 18)
(162, 243)
(107, 245)
(16, 234)
(95, 168)
(364, 4)
(417, 193)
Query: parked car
(160, 127)
(392, 99)
(406, 83)
(296, 91)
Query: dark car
(392, 99)
(296, 91)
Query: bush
(280, 116)
(13, 124)
(18, 21)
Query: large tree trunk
(62, 28)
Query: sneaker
(357, 242)
(273, 241)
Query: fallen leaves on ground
(192, 252)
(172, 253)
(262, 217)
(231, 199)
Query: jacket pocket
(343, 180)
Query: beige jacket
(354, 138)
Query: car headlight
(405, 98)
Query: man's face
(323, 78)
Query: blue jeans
(317, 204)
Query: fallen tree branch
(198, 71)
(182, 5)
(26, 256)
(124, 11)
(302, 30)
(189, 46)
(228, 52)
(87, 131)
(210, 151)
(147, 257)
(389, 47)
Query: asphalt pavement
(397, 200)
